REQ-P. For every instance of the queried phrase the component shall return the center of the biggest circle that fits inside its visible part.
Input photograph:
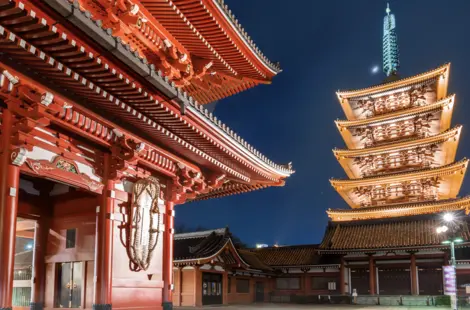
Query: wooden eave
(439, 71)
(448, 139)
(208, 29)
(442, 72)
(97, 81)
(399, 210)
(445, 105)
(452, 175)
(232, 189)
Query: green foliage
(442, 300)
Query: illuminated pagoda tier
(104, 130)
(402, 175)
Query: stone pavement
(313, 306)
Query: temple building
(402, 176)
(103, 131)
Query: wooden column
(372, 283)
(342, 270)
(307, 286)
(197, 286)
(225, 288)
(102, 297)
(9, 186)
(168, 256)
(414, 275)
(180, 275)
(38, 288)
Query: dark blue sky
(324, 46)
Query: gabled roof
(203, 245)
(390, 234)
(214, 246)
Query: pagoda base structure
(402, 180)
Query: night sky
(324, 46)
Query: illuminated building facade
(402, 177)
(103, 131)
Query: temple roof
(453, 133)
(165, 117)
(441, 121)
(446, 142)
(381, 235)
(450, 180)
(209, 30)
(199, 45)
(294, 256)
(214, 246)
(403, 209)
(253, 260)
(439, 74)
(442, 71)
(204, 246)
(444, 103)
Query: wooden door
(259, 292)
(211, 289)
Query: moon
(375, 69)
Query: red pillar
(414, 276)
(371, 276)
(342, 286)
(9, 185)
(102, 297)
(39, 280)
(168, 256)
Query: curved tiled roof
(288, 256)
(402, 209)
(274, 67)
(398, 114)
(394, 84)
(443, 170)
(384, 235)
(199, 245)
(402, 145)
(140, 65)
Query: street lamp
(449, 218)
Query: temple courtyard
(316, 307)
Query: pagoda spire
(390, 44)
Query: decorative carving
(411, 191)
(419, 126)
(63, 170)
(419, 95)
(144, 230)
(66, 166)
(19, 156)
(416, 158)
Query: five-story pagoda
(401, 168)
